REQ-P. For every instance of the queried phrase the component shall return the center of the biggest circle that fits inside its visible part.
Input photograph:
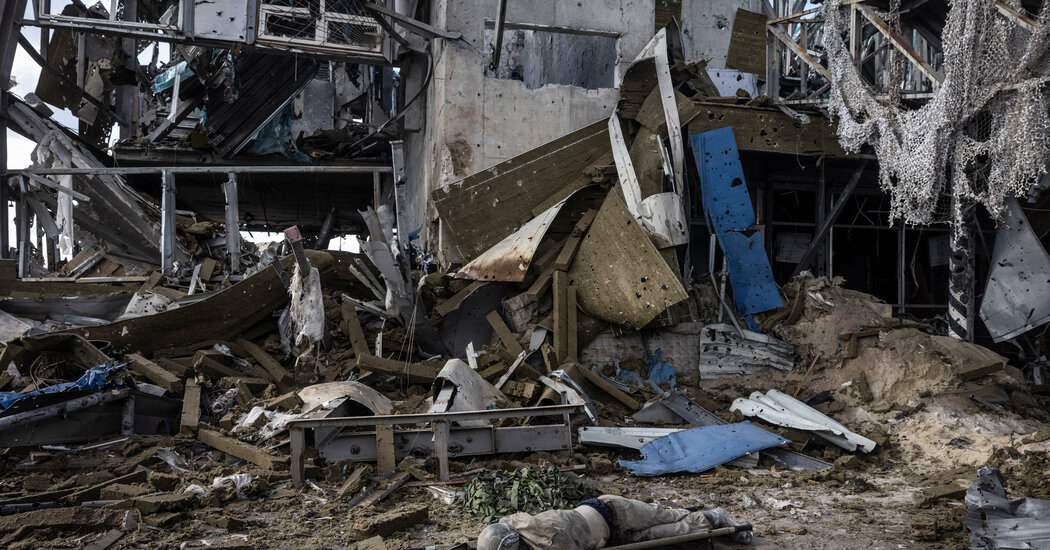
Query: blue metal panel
(700, 449)
(731, 217)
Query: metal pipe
(671, 541)
(497, 48)
(59, 409)
(214, 169)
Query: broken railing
(447, 440)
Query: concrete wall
(473, 121)
(707, 26)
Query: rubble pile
(552, 346)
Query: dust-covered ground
(934, 406)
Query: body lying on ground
(604, 521)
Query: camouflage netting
(984, 134)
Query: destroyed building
(369, 274)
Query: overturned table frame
(459, 440)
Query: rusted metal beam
(898, 42)
(801, 53)
(792, 17)
(1016, 16)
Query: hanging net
(984, 134)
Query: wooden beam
(191, 408)
(279, 374)
(241, 450)
(797, 50)
(568, 250)
(155, 373)
(351, 326)
(415, 373)
(793, 16)
(453, 303)
(503, 332)
(898, 42)
(561, 315)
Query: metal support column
(497, 47)
(960, 281)
(5, 195)
(22, 228)
(397, 157)
(821, 216)
(233, 216)
(167, 224)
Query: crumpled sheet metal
(725, 352)
(319, 394)
(727, 206)
(472, 392)
(620, 277)
(509, 260)
(700, 449)
(1016, 296)
(998, 523)
(779, 408)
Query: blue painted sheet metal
(731, 217)
(700, 449)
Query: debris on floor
(661, 296)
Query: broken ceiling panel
(620, 277)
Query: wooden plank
(191, 408)
(386, 459)
(415, 373)
(605, 386)
(351, 327)
(205, 364)
(797, 50)
(355, 482)
(278, 374)
(503, 333)
(453, 303)
(511, 190)
(244, 396)
(747, 43)
(568, 250)
(241, 450)
(93, 492)
(898, 41)
(559, 288)
(174, 367)
(154, 373)
(207, 269)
